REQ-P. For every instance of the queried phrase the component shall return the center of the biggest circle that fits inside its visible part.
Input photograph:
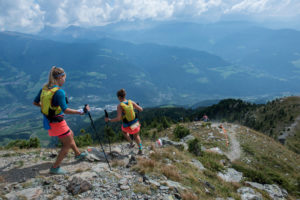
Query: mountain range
(157, 63)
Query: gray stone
(255, 185)
(207, 191)
(275, 192)
(168, 197)
(188, 138)
(100, 167)
(248, 193)
(152, 182)
(132, 161)
(231, 175)
(29, 193)
(78, 185)
(123, 181)
(84, 175)
(59, 198)
(215, 150)
(174, 184)
(163, 187)
(95, 154)
(197, 164)
(124, 187)
(116, 149)
(211, 137)
(167, 142)
(207, 184)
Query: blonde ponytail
(53, 75)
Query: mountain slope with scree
(210, 161)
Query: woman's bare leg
(66, 145)
(73, 145)
(126, 135)
(138, 141)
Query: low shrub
(206, 124)
(154, 136)
(195, 147)
(24, 144)
(83, 140)
(181, 131)
(211, 161)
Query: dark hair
(121, 93)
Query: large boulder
(274, 191)
(231, 175)
(167, 142)
(248, 193)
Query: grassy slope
(263, 160)
(276, 118)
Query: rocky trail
(27, 176)
(24, 174)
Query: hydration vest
(46, 102)
(128, 112)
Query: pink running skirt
(133, 129)
(58, 128)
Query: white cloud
(21, 15)
(33, 15)
(252, 6)
(266, 8)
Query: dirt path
(234, 145)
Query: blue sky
(31, 16)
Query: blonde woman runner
(53, 103)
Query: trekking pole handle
(85, 110)
(106, 114)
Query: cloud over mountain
(33, 15)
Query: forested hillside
(278, 119)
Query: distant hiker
(130, 122)
(53, 102)
(205, 118)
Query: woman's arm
(72, 111)
(36, 100)
(119, 115)
(37, 104)
(139, 108)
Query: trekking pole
(138, 115)
(106, 127)
(93, 126)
